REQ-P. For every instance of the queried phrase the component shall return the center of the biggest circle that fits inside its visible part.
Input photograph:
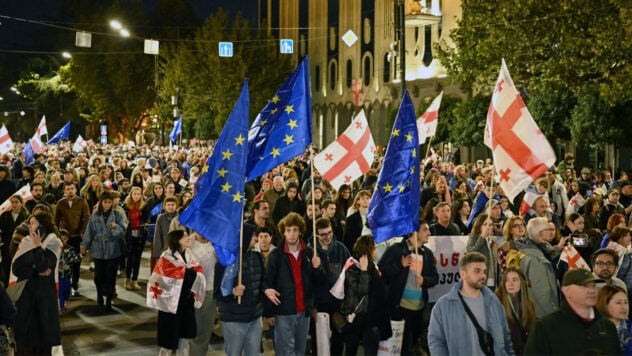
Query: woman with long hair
(515, 229)
(9, 220)
(612, 302)
(134, 206)
(104, 238)
(482, 240)
(343, 202)
(614, 220)
(357, 221)
(176, 326)
(37, 327)
(460, 212)
(92, 191)
(513, 293)
(364, 301)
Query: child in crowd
(68, 256)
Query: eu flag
(29, 154)
(215, 212)
(177, 129)
(62, 134)
(394, 207)
(283, 128)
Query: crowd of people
(516, 293)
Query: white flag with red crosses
(350, 156)
(41, 129)
(521, 151)
(6, 143)
(427, 122)
(165, 282)
(573, 258)
(24, 192)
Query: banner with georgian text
(447, 250)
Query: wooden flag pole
(416, 252)
(427, 151)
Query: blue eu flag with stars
(283, 128)
(177, 129)
(62, 134)
(394, 207)
(215, 212)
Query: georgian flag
(25, 192)
(338, 289)
(41, 129)
(427, 122)
(37, 145)
(165, 283)
(80, 144)
(350, 156)
(575, 203)
(573, 258)
(521, 151)
(6, 143)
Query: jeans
(64, 291)
(75, 242)
(242, 337)
(290, 334)
(135, 246)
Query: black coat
(280, 278)
(394, 274)
(180, 325)
(354, 230)
(37, 321)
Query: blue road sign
(225, 49)
(287, 46)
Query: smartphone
(579, 239)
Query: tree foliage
(207, 85)
(553, 50)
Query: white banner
(322, 334)
(393, 345)
(447, 250)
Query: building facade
(354, 56)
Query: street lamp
(66, 55)
(115, 24)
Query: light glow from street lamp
(123, 32)
(116, 25)
(66, 55)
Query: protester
(135, 236)
(471, 311)
(604, 263)
(9, 220)
(37, 327)
(203, 252)
(612, 302)
(482, 240)
(105, 238)
(356, 221)
(577, 328)
(68, 257)
(513, 293)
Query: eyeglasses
(326, 234)
(604, 263)
(515, 226)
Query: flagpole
(311, 163)
(416, 252)
(241, 248)
(427, 151)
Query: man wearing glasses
(604, 262)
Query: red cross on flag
(356, 89)
(41, 129)
(573, 258)
(37, 144)
(350, 156)
(165, 283)
(427, 122)
(520, 149)
(80, 144)
(6, 143)
(25, 192)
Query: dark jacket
(254, 279)
(284, 206)
(565, 333)
(354, 230)
(394, 274)
(333, 260)
(280, 278)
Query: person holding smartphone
(583, 243)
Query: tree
(207, 85)
(553, 49)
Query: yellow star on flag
(409, 137)
(414, 153)
(263, 122)
(275, 152)
(205, 168)
(292, 124)
(273, 111)
(226, 187)
(387, 188)
(396, 132)
(222, 172)
(412, 170)
(288, 139)
(289, 109)
(275, 99)
(237, 197)
(239, 140)
(401, 187)
(226, 154)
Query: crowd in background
(107, 203)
